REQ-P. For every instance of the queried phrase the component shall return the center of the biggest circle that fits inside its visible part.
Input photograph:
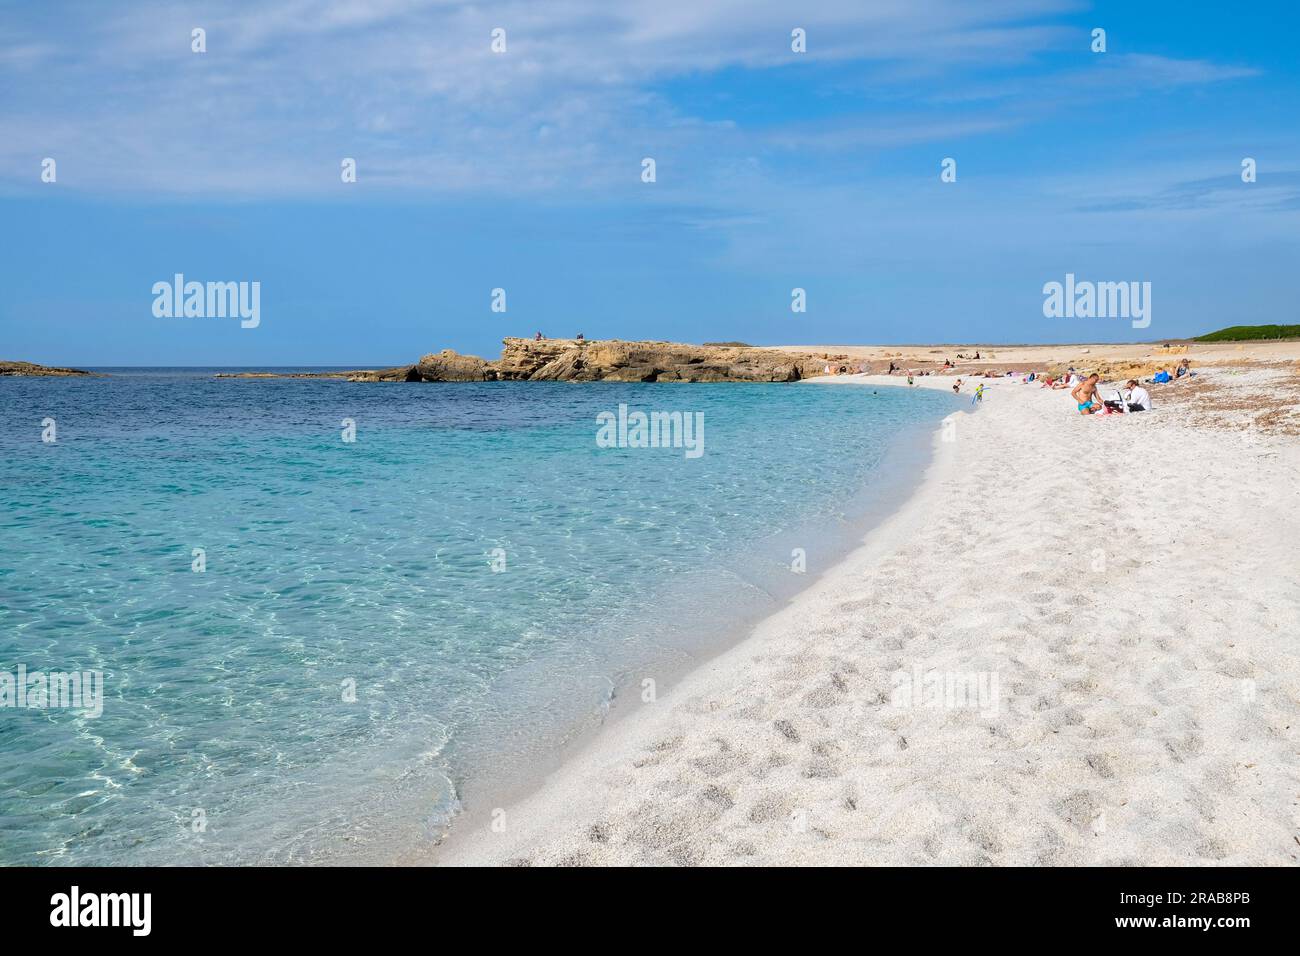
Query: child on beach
(956, 386)
(979, 394)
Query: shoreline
(900, 473)
(463, 843)
(1116, 738)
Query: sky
(522, 170)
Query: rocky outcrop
(400, 373)
(610, 360)
(449, 366)
(28, 369)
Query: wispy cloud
(411, 89)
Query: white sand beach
(1110, 606)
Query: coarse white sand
(1110, 606)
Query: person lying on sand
(1085, 393)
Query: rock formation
(611, 360)
(27, 368)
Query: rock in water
(28, 369)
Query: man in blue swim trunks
(1085, 393)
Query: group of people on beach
(1134, 398)
(1083, 389)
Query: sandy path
(1122, 590)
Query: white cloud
(411, 89)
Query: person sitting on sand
(581, 338)
(539, 337)
(1137, 398)
(1162, 376)
(1085, 393)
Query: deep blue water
(374, 563)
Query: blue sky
(521, 170)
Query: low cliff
(609, 360)
(612, 360)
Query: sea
(328, 617)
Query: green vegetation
(1249, 333)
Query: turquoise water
(227, 733)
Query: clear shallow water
(371, 562)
